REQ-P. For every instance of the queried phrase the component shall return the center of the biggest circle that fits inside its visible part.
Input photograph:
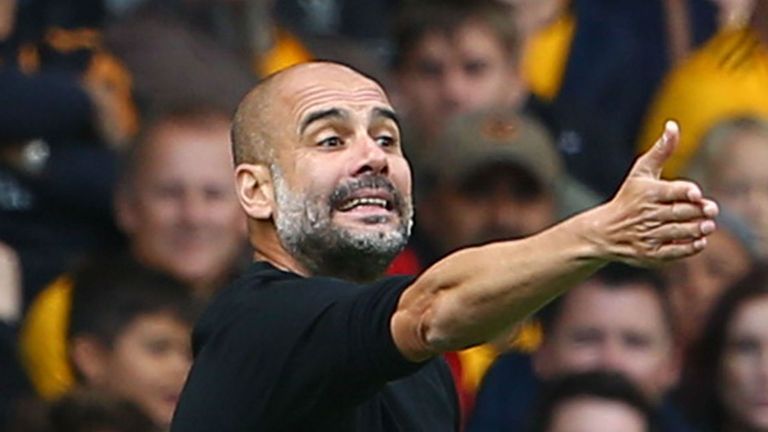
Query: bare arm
(472, 295)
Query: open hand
(653, 220)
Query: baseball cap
(489, 137)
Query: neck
(267, 247)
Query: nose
(455, 91)
(194, 208)
(370, 158)
(612, 358)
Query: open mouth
(365, 201)
(368, 194)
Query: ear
(125, 212)
(89, 357)
(255, 190)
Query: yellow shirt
(545, 56)
(476, 361)
(286, 51)
(727, 77)
(43, 340)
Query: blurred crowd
(119, 221)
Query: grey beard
(305, 228)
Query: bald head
(321, 173)
(262, 116)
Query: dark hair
(82, 411)
(108, 296)
(700, 388)
(606, 385)
(614, 277)
(419, 17)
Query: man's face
(342, 185)
(182, 214)
(695, 283)
(622, 330)
(149, 363)
(449, 74)
(591, 414)
(498, 202)
(744, 369)
(741, 182)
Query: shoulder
(268, 298)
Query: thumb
(651, 163)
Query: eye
(331, 142)
(475, 68)
(385, 141)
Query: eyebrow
(386, 113)
(339, 114)
(320, 115)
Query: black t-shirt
(280, 352)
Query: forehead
(324, 86)
(471, 39)
(751, 316)
(634, 305)
(186, 151)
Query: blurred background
(118, 220)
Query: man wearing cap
(312, 338)
(498, 177)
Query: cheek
(158, 213)
(462, 217)
(133, 375)
(400, 173)
(736, 376)
(576, 357)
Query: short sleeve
(291, 350)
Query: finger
(679, 190)
(677, 232)
(673, 251)
(681, 211)
(651, 162)
(711, 209)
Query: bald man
(312, 338)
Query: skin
(313, 161)
(181, 213)
(621, 329)
(147, 363)
(445, 75)
(495, 211)
(695, 283)
(744, 367)
(590, 414)
(474, 294)
(740, 182)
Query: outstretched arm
(473, 294)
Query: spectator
(579, 63)
(726, 77)
(129, 335)
(453, 57)
(178, 208)
(13, 381)
(83, 411)
(731, 164)
(696, 283)
(728, 377)
(620, 320)
(592, 402)
(65, 104)
(499, 177)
